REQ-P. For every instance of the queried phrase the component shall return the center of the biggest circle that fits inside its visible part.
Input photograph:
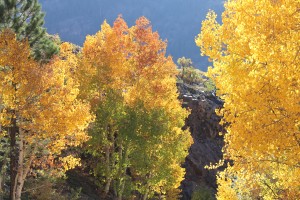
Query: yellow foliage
(255, 53)
(132, 61)
(225, 188)
(69, 162)
(42, 98)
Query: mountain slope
(178, 21)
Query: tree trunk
(108, 169)
(107, 186)
(23, 166)
(121, 190)
(110, 160)
(120, 173)
(12, 131)
(145, 197)
(113, 158)
(183, 69)
(122, 170)
(20, 182)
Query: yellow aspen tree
(131, 63)
(104, 60)
(39, 109)
(255, 55)
(154, 86)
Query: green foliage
(133, 140)
(195, 77)
(26, 19)
(209, 85)
(191, 75)
(203, 193)
(188, 73)
(107, 143)
(184, 62)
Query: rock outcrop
(204, 126)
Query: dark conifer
(26, 19)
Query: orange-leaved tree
(39, 107)
(126, 75)
(255, 53)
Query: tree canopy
(139, 118)
(255, 54)
(39, 109)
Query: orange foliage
(41, 98)
(132, 61)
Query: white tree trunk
(19, 182)
(23, 166)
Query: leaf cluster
(255, 53)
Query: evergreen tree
(26, 19)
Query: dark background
(178, 21)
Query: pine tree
(26, 19)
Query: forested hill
(178, 21)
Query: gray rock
(204, 127)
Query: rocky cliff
(204, 126)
